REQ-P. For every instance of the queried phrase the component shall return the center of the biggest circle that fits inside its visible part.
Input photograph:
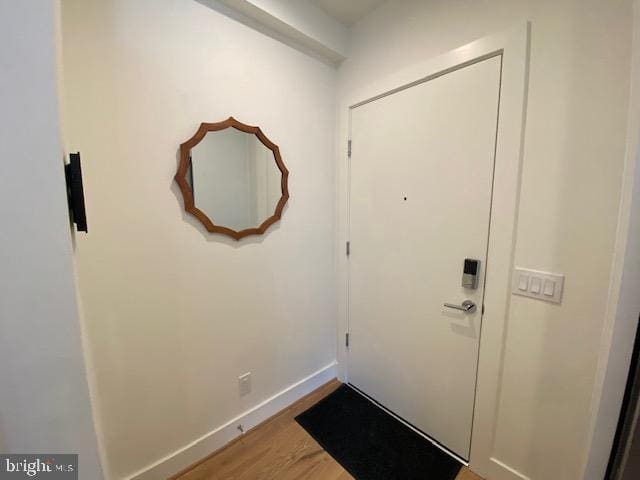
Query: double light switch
(541, 285)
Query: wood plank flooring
(278, 449)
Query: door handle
(467, 306)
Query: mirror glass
(234, 179)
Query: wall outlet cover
(244, 383)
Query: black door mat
(371, 444)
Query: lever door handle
(467, 306)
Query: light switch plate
(539, 285)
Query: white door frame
(513, 45)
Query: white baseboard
(218, 438)
(501, 471)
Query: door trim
(513, 46)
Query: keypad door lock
(470, 273)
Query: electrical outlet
(244, 383)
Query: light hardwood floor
(278, 449)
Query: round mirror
(232, 178)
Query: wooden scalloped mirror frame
(187, 192)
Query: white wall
(622, 322)
(44, 398)
(174, 314)
(169, 308)
(299, 23)
(571, 183)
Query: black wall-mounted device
(470, 273)
(75, 192)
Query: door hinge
(346, 340)
(482, 309)
(348, 248)
(349, 149)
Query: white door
(420, 200)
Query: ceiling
(347, 12)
